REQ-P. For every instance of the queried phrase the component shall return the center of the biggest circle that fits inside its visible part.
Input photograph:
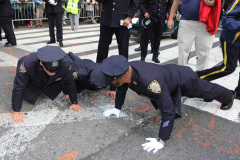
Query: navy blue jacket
(231, 24)
(31, 80)
(6, 8)
(157, 9)
(115, 10)
(162, 85)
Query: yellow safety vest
(72, 6)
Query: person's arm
(20, 84)
(142, 6)
(229, 21)
(172, 13)
(132, 9)
(120, 97)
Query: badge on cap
(154, 87)
(75, 75)
(55, 64)
(22, 68)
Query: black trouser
(0, 31)
(8, 29)
(231, 55)
(106, 33)
(58, 18)
(157, 29)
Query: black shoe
(36, 25)
(208, 100)
(142, 59)
(4, 37)
(138, 49)
(237, 96)
(9, 45)
(156, 60)
(229, 105)
(69, 53)
(60, 44)
(50, 42)
(40, 25)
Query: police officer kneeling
(45, 71)
(164, 85)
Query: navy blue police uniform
(54, 13)
(157, 10)
(112, 12)
(6, 15)
(87, 74)
(31, 80)
(164, 85)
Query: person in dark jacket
(112, 14)
(6, 15)
(54, 12)
(46, 71)
(164, 85)
(230, 43)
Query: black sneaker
(142, 59)
(208, 100)
(229, 105)
(138, 49)
(156, 60)
(60, 44)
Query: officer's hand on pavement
(146, 15)
(18, 117)
(111, 93)
(76, 108)
(170, 23)
(67, 98)
(109, 112)
(126, 22)
(209, 3)
(153, 144)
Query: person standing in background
(16, 8)
(6, 14)
(39, 13)
(73, 10)
(112, 13)
(54, 11)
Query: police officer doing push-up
(87, 75)
(45, 71)
(164, 85)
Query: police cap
(98, 78)
(146, 22)
(114, 67)
(51, 57)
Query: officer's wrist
(75, 102)
(160, 141)
(129, 18)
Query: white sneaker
(64, 23)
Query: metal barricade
(26, 11)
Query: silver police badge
(55, 64)
(154, 87)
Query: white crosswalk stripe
(85, 44)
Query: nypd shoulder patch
(75, 75)
(154, 87)
(22, 68)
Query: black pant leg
(105, 40)
(50, 17)
(158, 31)
(228, 66)
(147, 33)
(200, 88)
(8, 29)
(58, 18)
(0, 30)
(237, 89)
(122, 35)
(141, 29)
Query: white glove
(129, 26)
(52, 2)
(153, 144)
(109, 112)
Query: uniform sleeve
(20, 84)
(169, 6)
(120, 96)
(142, 6)
(70, 86)
(165, 104)
(133, 8)
(229, 21)
(112, 87)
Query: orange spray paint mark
(5, 114)
(129, 98)
(212, 120)
(110, 101)
(144, 110)
(155, 119)
(232, 152)
(82, 54)
(136, 94)
(69, 156)
(6, 86)
(93, 99)
(197, 139)
(11, 53)
(179, 134)
(7, 83)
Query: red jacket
(210, 16)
